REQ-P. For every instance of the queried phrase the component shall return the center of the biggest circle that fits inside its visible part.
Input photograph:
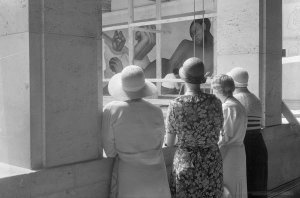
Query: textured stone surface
(283, 145)
(290, 81)
(15, 187)
(81, 180)
(291, 43)
(71, 17)
(238, 38)
(36, 16)
(36, 100)
(227, 62)
(271, 62)
(238, 27)
(89, 191)
(13, 16)
(71, 99)
(67, 17)
(52, 180)
(63, 124)
(14, 100)
(15, 84)
(85, 172)
(106, 6)
(70, 80)
(273, 96)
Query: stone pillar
(237, 38)
(15, 82)
(271, 61)
(49, 112)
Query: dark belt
(253, 131)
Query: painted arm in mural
(145, 42)
(180, 54)
(189, 48)
(115, 44)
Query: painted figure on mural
(115, 48)
(201, 43)
(185, 49)
(201, 38)
(116, 53)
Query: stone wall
(283, 144)
(81, 180)
(237, 39)
(49, 82)
(106, 6)
(291, 43)
(14, 83)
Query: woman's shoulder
(186, 42)
(181, 99)
(150, 105)
(234, 105)
(212, 98)
(115, 105)
(203, 97)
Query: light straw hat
(192, 71)
(240, 76)
(130, 84)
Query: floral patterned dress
(197, 166)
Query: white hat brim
(181, 73)
(116, 90)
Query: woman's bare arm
(180, 54)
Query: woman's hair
(176, 71)
(200, 21)
(112, 64)
(224, 84)
(207, 27)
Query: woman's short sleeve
(108, 138)
(228, 126)
(171, 119)
(218, 113)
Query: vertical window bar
(158, 46)
(130, 32)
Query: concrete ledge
(81, 180)
(283, 144)
(87, 179)
(287, 190)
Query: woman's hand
(118, 41)
(145, 42)
(115, 65)
(171, 138)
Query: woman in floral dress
(196, 119)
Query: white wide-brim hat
(130, 84)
